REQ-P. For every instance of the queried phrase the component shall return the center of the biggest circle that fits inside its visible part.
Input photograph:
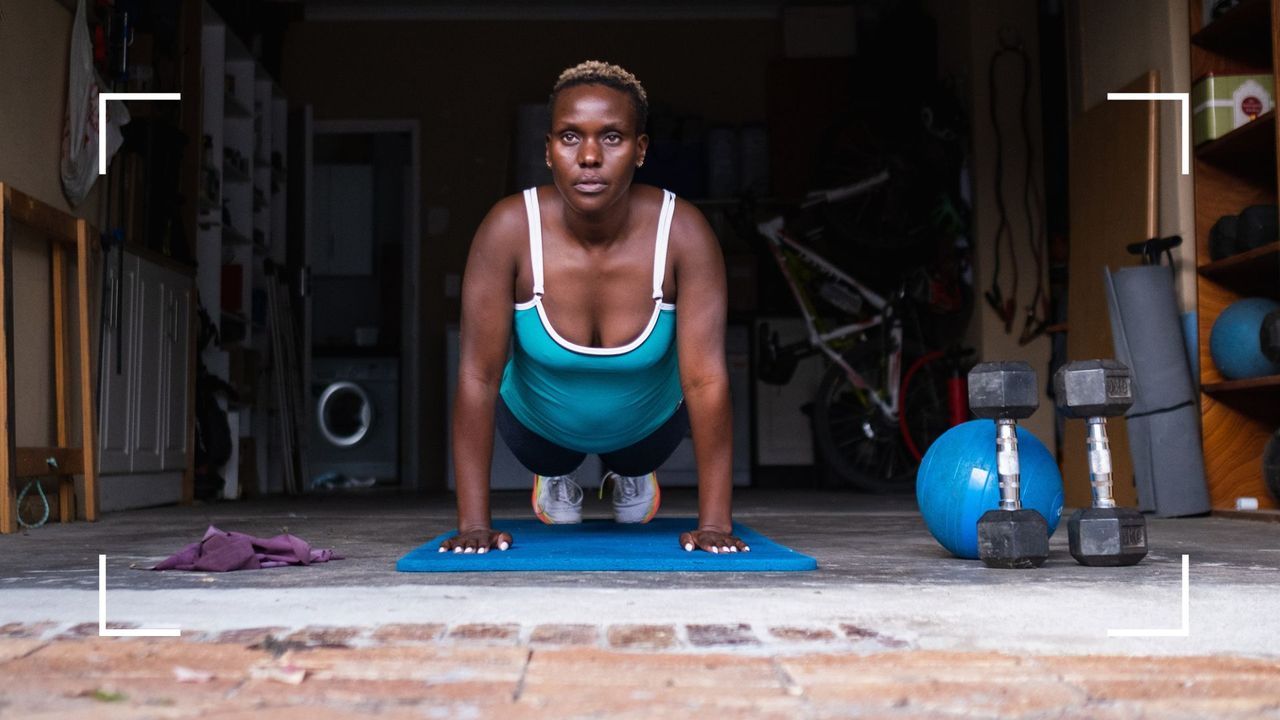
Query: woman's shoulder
(506, 217)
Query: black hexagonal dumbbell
(1011, 536)
(1269, 336)
(1104, 534)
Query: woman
(602, 362)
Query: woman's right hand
(477, 541)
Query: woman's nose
(589, 154)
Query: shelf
(1249, 149)
(1243, 33)
(1255, 515)
(233, 174)
(232, 236)
(234, 108)
(1269, 382)
(1253, 272)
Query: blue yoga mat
(606, 545)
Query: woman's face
(594, 146)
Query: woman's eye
(568, 138)
(613, 139)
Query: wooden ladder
(64, 232)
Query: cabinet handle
(113, 301)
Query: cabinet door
(116, 375)
(177, 371)
(150, 315)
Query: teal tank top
(592, 400)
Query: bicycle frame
(780, 243)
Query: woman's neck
(597, 230)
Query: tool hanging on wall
(1036, 312)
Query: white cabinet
(176, 355)
(116, 377)
(145, 368)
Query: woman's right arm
(488, 289)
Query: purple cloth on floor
(221, 551)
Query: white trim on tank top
(532, 211)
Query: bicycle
(871, 421)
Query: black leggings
(548, 459)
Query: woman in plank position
(602, 362)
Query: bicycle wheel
(860, 445)
(924, 413)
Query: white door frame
(410, 356)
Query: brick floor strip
(708, 635)
(564, 635)
(642, 637)
(486, 632)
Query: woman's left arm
(698, 267)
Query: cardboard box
(1222, 103)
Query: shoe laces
(563, 489)
(624, 485)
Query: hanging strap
(535, 238)
(660, 249)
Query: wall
(34, 44)
(463, 81)
(1111, 43)
(966, 54)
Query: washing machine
(355, 418)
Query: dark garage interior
(243, 344)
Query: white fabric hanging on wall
(79, 167)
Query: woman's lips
(589, 186)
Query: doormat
(603, 545)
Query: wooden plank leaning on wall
(17, 464)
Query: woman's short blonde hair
(596, 72)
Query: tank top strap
(535, 238)
(664, 236)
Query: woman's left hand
(712, 541)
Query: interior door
(177, 370)
(150, 318)
(1113, 196)
(115, 450)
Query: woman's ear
(642, 147)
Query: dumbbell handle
(1100, 463)
(1007, 463)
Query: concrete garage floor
(889, 625)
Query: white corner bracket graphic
(1185, 100)
(127, 632)
(1185, 630)
(102, 118)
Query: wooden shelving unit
(1231, 173)
(244, 115)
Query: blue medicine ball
(1234, 341)
(957, 483)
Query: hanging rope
(53, 465)
(1036, 311)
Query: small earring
(548, 163)
(640, 164)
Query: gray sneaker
(635, 499)
(557, 500)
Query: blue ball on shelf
(957, 482)
(1235, 343)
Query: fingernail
(482, 550)
(457, 549)
(442, 549)
(746, 548)
(688, 547)
(469, 550)
(503, 546)
(715, 549)
(733, 549)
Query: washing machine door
(344, 413)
